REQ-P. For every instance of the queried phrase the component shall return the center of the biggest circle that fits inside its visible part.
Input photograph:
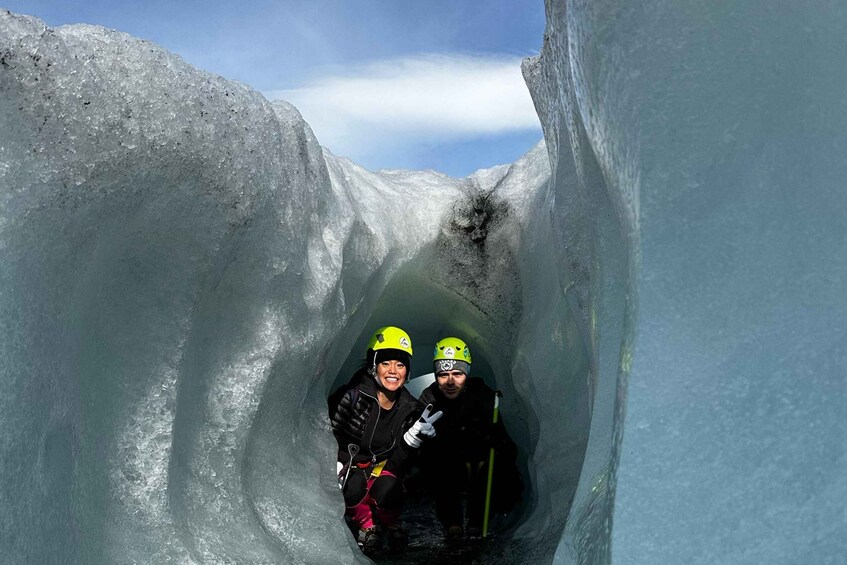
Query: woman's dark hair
(371, 357)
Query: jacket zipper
(370, 442)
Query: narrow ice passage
(472, 280)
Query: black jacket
(464, 437)
(356, 417)
(466, 431)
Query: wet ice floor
(426, 541)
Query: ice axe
(497, 395)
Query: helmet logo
(404, 343)
(449, 352)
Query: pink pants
(363, 513)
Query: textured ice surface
(184, 275)
(700, 149)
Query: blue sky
(431, 84)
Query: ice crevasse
(659, 291)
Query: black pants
(454, 482)
(387, 490)
(372, 501)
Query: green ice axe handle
(497, 396)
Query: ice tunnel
(185, 273)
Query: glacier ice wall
(700, 150)
(148, 212)
(185, 274)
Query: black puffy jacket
(356, 417)
(466, 431)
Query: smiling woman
(374, 420)
(391, 375)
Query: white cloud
(418, 99)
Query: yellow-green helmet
(388, 343)
(391, 337)
(451, 353)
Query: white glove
(423, 427)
